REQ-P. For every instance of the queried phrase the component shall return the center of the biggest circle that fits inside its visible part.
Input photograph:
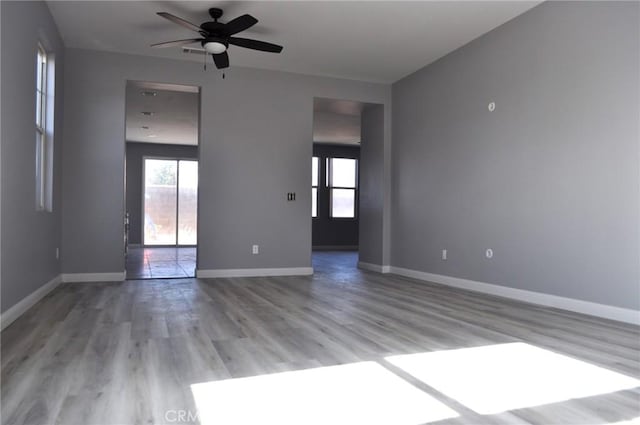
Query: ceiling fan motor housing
(213, 28)
(215, 13)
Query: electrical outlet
(444, 254)
(488, 253)
(255, 249)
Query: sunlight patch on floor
(497, 378)
(356, 393)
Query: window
(342, 182)
(314, 186)
(44, 124)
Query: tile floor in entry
(161, 262)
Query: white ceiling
(380, 41)
(174, 113)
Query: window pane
(43, 110)
(41, 78)
(314, 202)
(327, 167)
(39, 109)
(314, 171)
(39, 69)
(343, 203)
(39, 170)
(160, 202)
(343, 172)
(188, 203)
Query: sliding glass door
(187, 202)
(170, 201)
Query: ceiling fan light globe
(214, 47)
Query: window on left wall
(44, 124)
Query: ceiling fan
(215, 37)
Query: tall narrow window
(41, 128)
(314, 186)
(342, 181)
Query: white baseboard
(94, 277)
(9, 316)
(548, 300)
(334, 248)
(293, 271)
(373, 267)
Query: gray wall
(254, 148)
(371, 186)
(550, 179)
(29, 237)
(135, 153)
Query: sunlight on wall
(356, 393)
(497, 378)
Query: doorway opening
(335, 164)
(347, 194)
(161, 174)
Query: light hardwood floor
(125, 353)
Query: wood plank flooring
(125, 353)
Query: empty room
(320, 212)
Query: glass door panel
(160, 201)
(187, 202)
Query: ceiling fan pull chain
(205, 62)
